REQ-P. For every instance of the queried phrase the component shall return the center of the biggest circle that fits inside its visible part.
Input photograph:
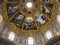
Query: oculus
(29, 4)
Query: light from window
(49, 35)
(1, 18)
(58, 18)
(11, 36)
(30, 41)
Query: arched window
(11, 36)
(49, 35)
(58, 18)
(30, 41)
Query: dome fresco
(30, 22)
(32, 15)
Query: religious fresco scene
(29, 22)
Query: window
(49, 35)
(58, 18)
(11, 36)
(1, 18)
(30, 41)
